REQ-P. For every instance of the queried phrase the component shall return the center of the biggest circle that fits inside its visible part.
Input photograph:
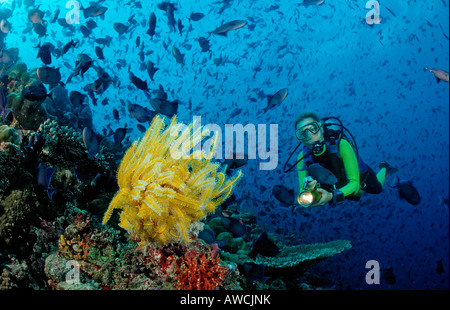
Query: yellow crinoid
(167, 186)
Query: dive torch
(306, 198)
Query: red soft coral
(197, 272)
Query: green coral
(233, 244)
(29, 114)
(303, 254)
(216, 225)
(291, 257)
(9, 134)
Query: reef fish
(151, 25)
(94, 10)
(99, 53)
(6, 57)
(48, 75)
(40, 29)
(44, 176)
(120, 28)
(5, 26)
(141, 84)
(254, 272)
(311, 2)
(35, 16)
(84, 62)
(276, 99)
(4, 111)
(76, 98)
(264, 246)
(196, 16)
(234, 225)
(151, 69)
(233, 25)
(283, 194)
(209, 237)
(171, 17)
(140, 113)
(68, 45)
(407, 191)
(439, 74)
(387, 274)
(165, 107)
(204, 44)
(235, 162)
(178, 56)
(44, 53)
(119, 134)
(91, 141)
(35, 92)
(321, 174)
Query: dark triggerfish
(283, 194)
(321, 174)
(264, 246)
(407, 191)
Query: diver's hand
(326, 198)
(311, 183)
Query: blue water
(331, 61)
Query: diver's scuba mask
(313, 128)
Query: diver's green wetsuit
(350, 162)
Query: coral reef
(105, 262)
(164, 202)
(200, 272)
(9, 134)
(18, 204)
(291, 256)
(29, 114)
(64, 148)
(161, 196)
(31, 105)
(284, 269)
(11, 158)
(300, 256)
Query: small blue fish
(140, 113)
(119, 135)
(91, 141)
(254, 272)
(235, 226)
(264, 246)
(284, 195)
(4, 111)
(209, 237)
(44, 177)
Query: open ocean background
(331, 61)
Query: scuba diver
(329, 149)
